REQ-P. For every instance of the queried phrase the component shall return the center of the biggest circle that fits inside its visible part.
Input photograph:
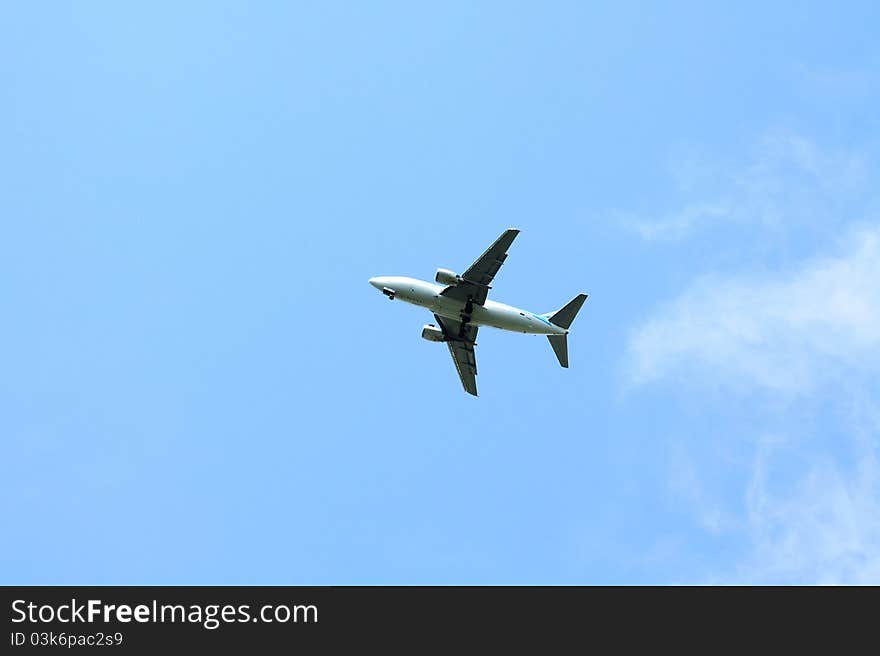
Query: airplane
(460, 307)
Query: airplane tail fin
(560, 348)
(563, 319)
(566, 315)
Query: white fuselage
(495, 315)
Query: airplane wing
(461, 341)
(475, 281)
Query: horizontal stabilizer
(560, 348)
(566, 315)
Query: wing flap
(465, 364)
(462, 338)
(477, 279)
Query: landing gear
(465, 317)
(468, 309)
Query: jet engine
(447, 277)
(432, 333)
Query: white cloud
(679, 224)
(825, 530)
(786, 180)
(782, 333)
(809, 515)
(808, 334)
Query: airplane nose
(375, 283)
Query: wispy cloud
(826, 529)
(778, 332)
(677, 225)
(806, 332)
(785, 180)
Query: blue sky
(199, 386)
